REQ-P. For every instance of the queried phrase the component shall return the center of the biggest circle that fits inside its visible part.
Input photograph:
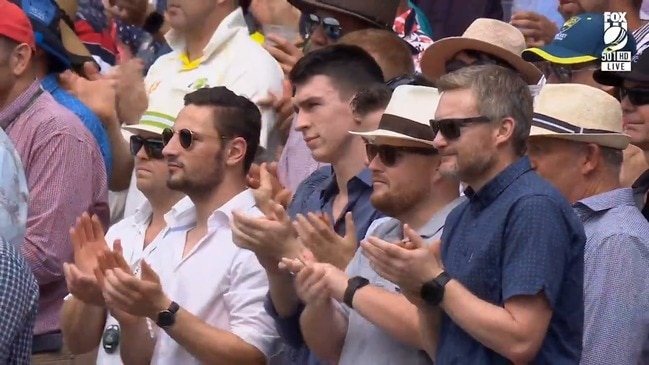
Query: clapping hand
(317, 234)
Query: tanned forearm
(324, 329)
(136, 344)
(282, 293)
(82, 325)
(392, 313)
(430, 319)
(120, 176)
(211, 345)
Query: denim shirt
(89, 119)
(317, 194)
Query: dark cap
(379, 13)
(639, 73)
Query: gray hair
(500, 93)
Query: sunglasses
(152, 147)
(451, 128)
(185, 136)
(390, 155)
(479, 59)
(636, 96)
(331, 26)
(564, 73)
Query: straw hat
(486, 35)
(407, 116)
(579, 113)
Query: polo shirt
(516, 236)
(218, 282)
(366, 343)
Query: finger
(101, 278)
(319, 225)
(350, 226)
(86, 225)
(241, 239)
(531, 32)
(268, 101)
(287, 89)
(522, 14)
(292, 265)
(115, 292)
(128, 283)
(281, 56)
(91, 71)
(306, 227)
(97, 228)
(283, 198)
(280, 213)
(374, 253)
(74, 238)
(265, 178)
(414, 237)
(81, 232)
(148, 274)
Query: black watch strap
(443, 279)
(153, 23)
(167, 317)
(353, 284)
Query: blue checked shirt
(89, 119)
(18, 288)
(616, 280)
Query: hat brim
(310, 6)
(72, 42)
(617, 79)
(434, 59)
(50, 42)
(135, 128)
(372, 135)
(616, 141)
(556, 54)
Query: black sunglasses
(331, 26)
(390, 155)
(451, 128)
(185, 136)
(636, 96)
(152, 147)
(479, 59)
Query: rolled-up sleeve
(245, 301)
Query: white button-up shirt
(218, 282)
(131, 232)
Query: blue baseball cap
(46, 19)
(580, 40)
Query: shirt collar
(11, 112)
(498, 184)
(605, 201)
(364, 177)
(181, 213)
(143, 213)
(231, 24)
(243, 201)
(50, 83)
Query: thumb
(284, 198)
(117, 247)
(91, 71)
(287, 88)
(147, 273)
(280, 212)
(414, 237)
(350, 226)
(264, 177)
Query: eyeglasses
(152, 147)
(451, 128)
(479, 59)
(331, 26)
(636, 96)
(390, 155)
(185, 136)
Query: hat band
(158, 120)
(559, 126)
(406, 127)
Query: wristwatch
(167, 317)
(432, 292)
(353, 284)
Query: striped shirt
(66, 176)
(616, 289)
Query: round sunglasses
(390, 155)
(451, 129)
(152, 147)
(331, 26)
(636, 96)
(186, 137)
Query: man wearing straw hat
(576, 143)
(507, 274)
(376, 323)
(485, 42)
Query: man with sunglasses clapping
(85, 321)
(376, 324)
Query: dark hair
(235, 116)
(350, 68)
(391, 52)
(371, 99)
(415, 79)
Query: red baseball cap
(15, 25)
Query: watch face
(432, 293)
(166, 318)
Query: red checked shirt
(66, 176)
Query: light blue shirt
(13, 193)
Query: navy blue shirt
(316, 194)
(516, 236)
